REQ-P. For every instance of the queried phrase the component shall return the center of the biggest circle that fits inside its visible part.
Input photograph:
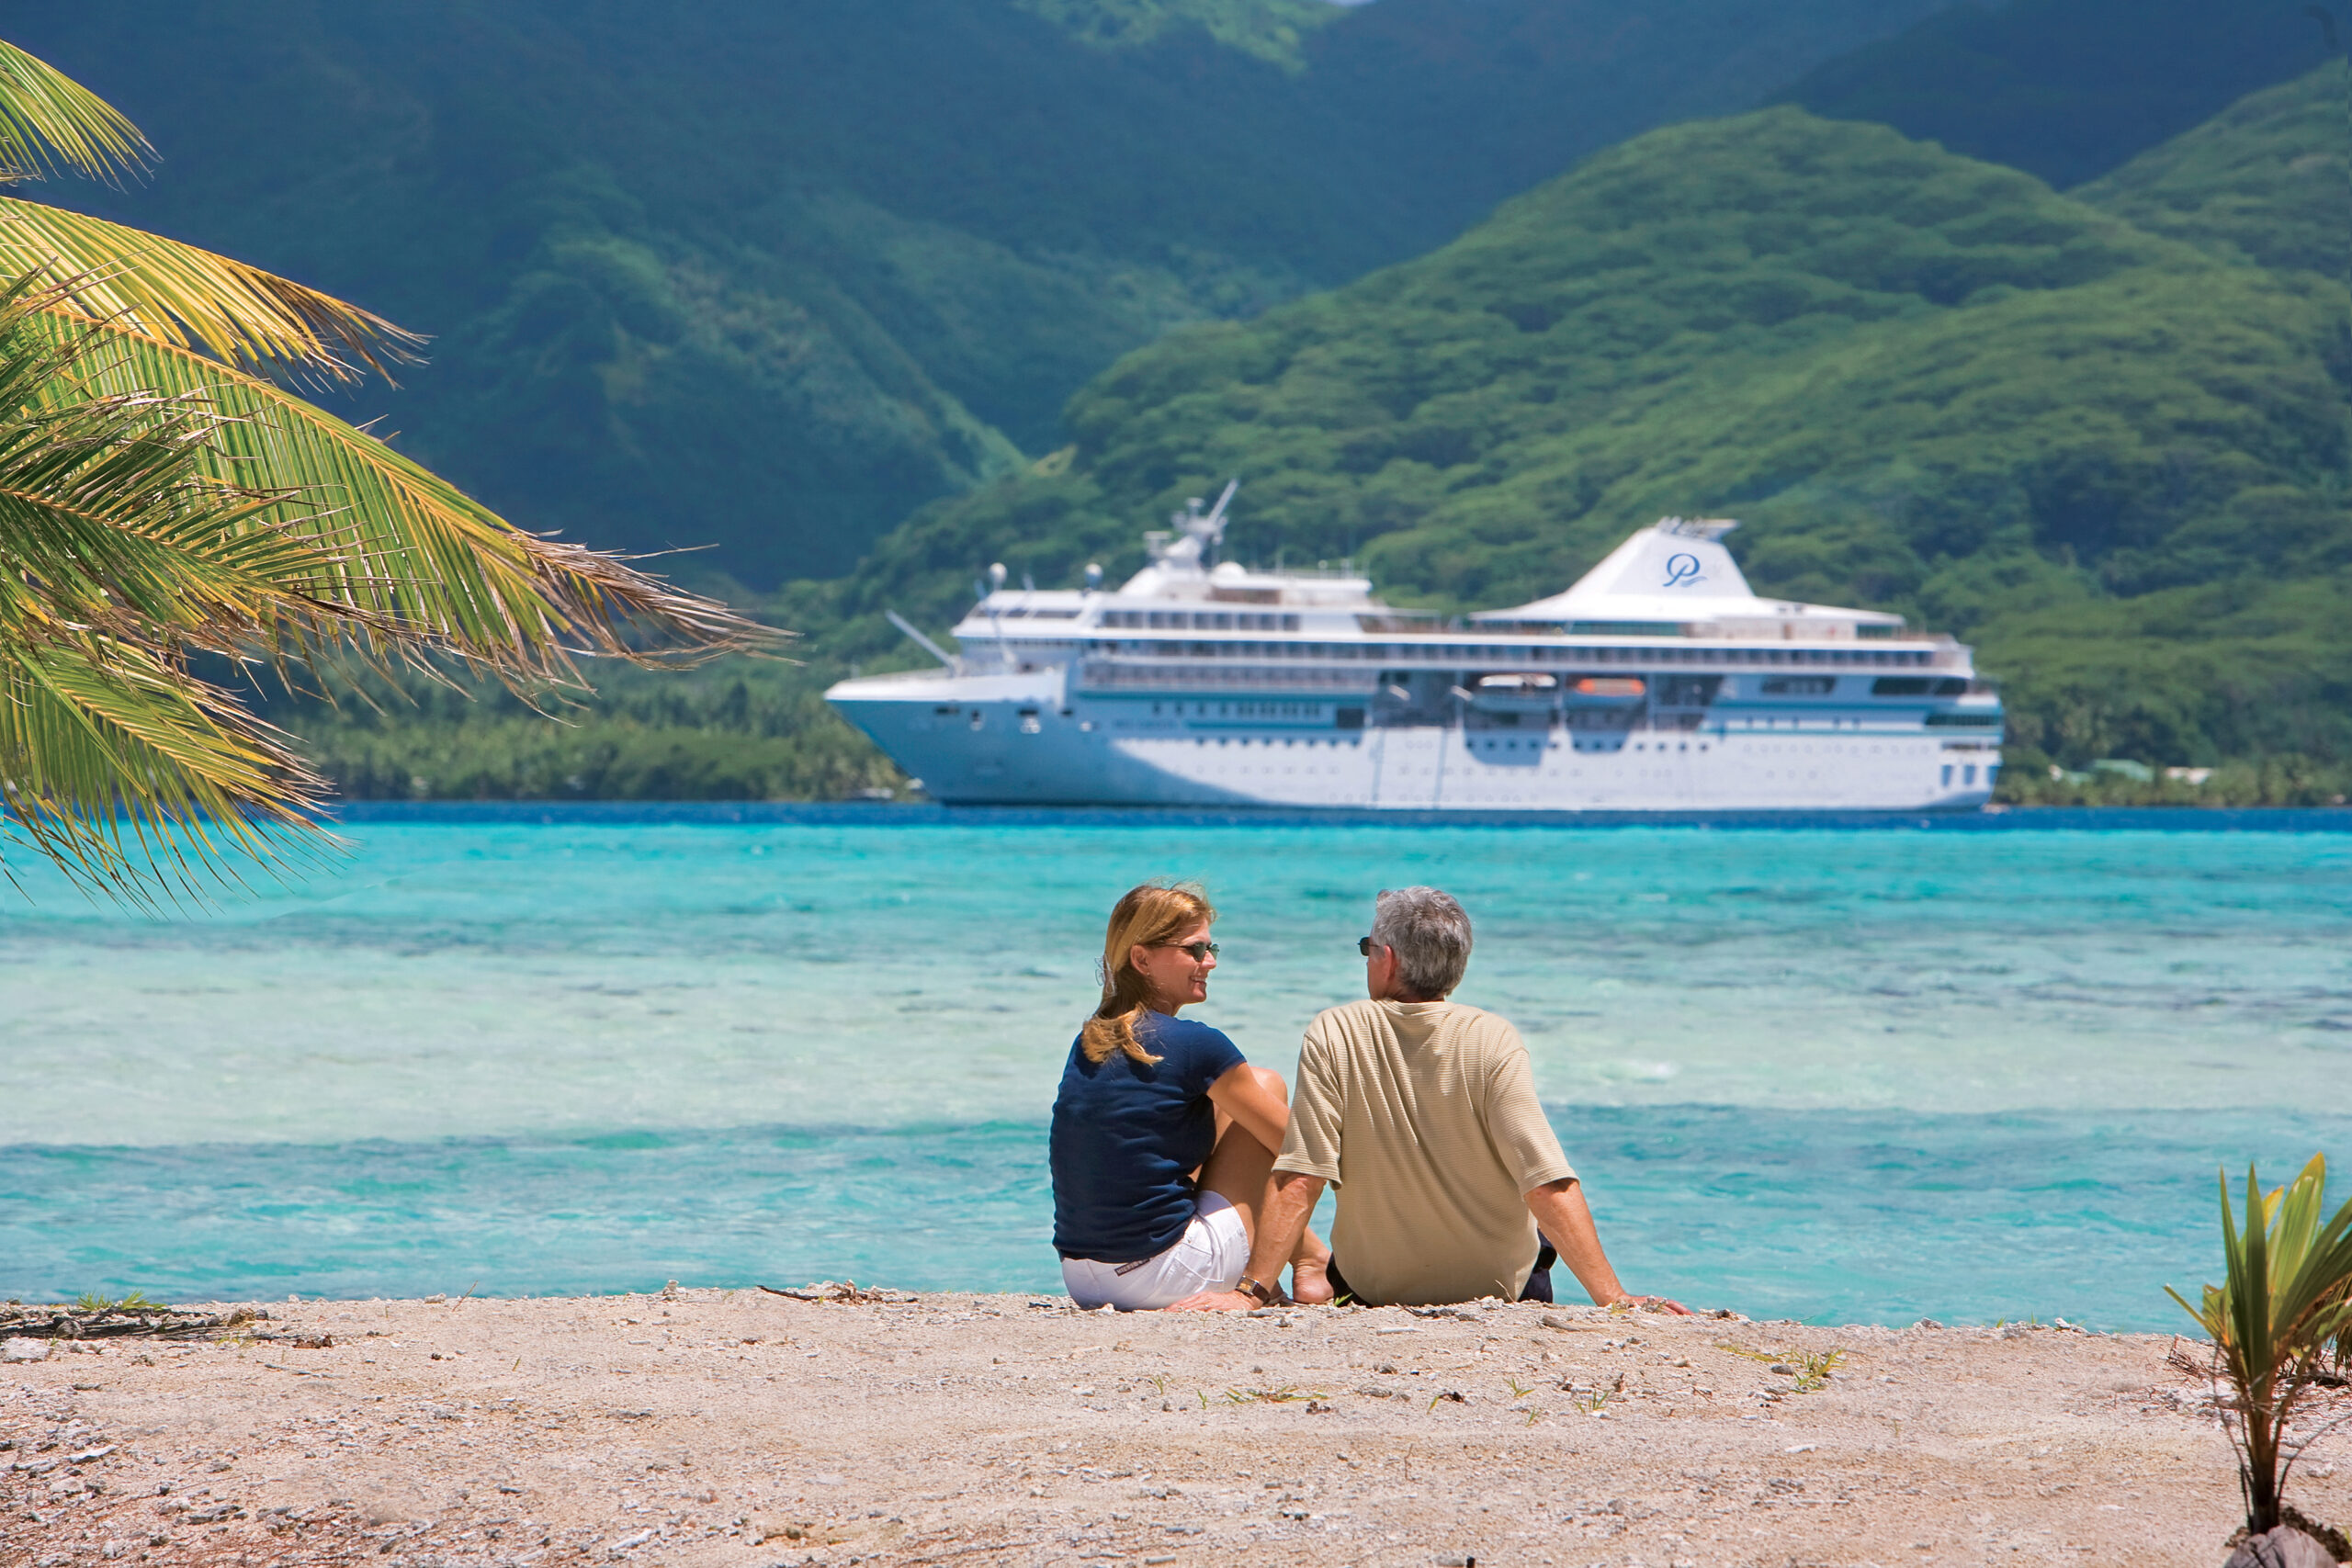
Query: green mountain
(2113, 459)
(2264, 180)
(2065, 89)
(766, 275)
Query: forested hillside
(2264, 180)
(2114, 459)
(766, 274)
(2065, 89)
(776, 277)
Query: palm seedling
(164, 496)
(2287, 1294)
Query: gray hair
(1431, 933)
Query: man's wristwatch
(1265, 1295)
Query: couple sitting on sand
(1183, 1177)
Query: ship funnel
(1681, 557)
(1676, 569)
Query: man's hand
(1561, 1215)
(1213, 1301)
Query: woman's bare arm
(1244, 1096)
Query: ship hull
(1022, 744)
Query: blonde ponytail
(1147, 916)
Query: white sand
(979, 1429)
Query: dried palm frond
(182, 295)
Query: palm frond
(194, 298)
(119, 765)
(158, 496)
(107, 517)
(48, 120)
(419, 566)
(118, 554)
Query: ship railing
(1105, 675)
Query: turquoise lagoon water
(1842, 1075)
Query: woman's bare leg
(1236, 1171)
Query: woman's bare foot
(1309, 1284)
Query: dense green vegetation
(2113, 460)
(2065, 89)
(1270, 30)
(2265, 178)
(766, 274)
(745, 729)
(772, 277)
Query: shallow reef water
(1837, 1074)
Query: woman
(1163, 1136)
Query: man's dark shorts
(1537, 1288)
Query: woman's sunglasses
(1364, 945)
(1199, 952)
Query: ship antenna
(1212, 527)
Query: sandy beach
(740, 1427)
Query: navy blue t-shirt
(1125, 1134)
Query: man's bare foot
(1309, 1285)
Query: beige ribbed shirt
(1424, 1115)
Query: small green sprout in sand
(1517, 1391)
(1287, 1395)
(1810, 1369)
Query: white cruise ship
(1660, 684)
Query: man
(1423, 1111)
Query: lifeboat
(1518, 692)
(1605, 691)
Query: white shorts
(1209, 1255)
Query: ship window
(1946, 775)
(1968, 773)
(1899, 686)
(1799, 685)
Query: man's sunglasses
(1198, 952)
(1364, 945)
